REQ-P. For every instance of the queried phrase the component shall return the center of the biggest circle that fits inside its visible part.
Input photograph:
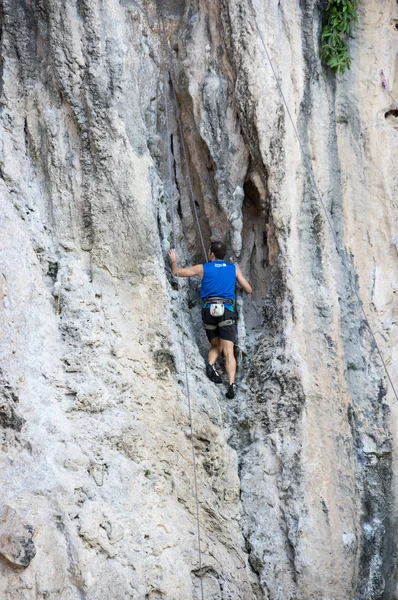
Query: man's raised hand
(172, 256)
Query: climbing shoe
(212, 373)
(231, 391)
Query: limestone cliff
(298, 476)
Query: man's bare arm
(243, 282)
(186, 271)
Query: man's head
(219, 249)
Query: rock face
(297, 477)
(16, 543)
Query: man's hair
(219, 249)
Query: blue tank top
(219, 280)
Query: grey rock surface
(297, 477)
(16, 544)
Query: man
(218, 312)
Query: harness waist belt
(216, 299)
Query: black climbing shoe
(212, 374)
(231, 391)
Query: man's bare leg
(230, 363)
(214, 351)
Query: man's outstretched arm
(185, 272)
(243, 282)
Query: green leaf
(340, 15)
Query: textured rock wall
(297, 477)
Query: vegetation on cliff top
(341, 14)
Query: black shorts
(226, 332)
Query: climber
(218, 311)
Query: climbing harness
(165, 86)
(340, 249)
(217, 309)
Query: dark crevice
(172, 154)
(172, 150)
(291, 553)
(7, 391)
(179, 210)
(171, 8)
(255, 257)
(9, 418)
(391, 114)
(53, 270)
(188, 172)
(87, 224)
(26, 133)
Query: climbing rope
(170, 170)
(340, 249)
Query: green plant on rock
(341, 14)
